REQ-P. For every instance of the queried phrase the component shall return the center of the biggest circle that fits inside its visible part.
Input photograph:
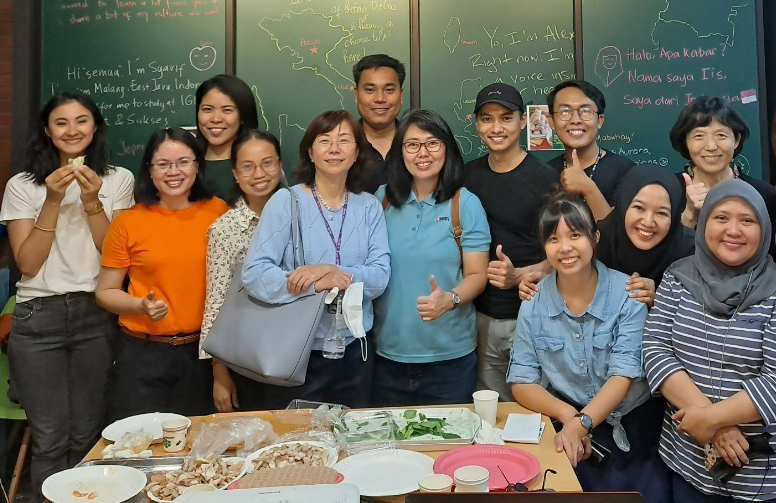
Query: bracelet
(95, 210)
(44, 229)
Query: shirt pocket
(549, 352)
(603, 340)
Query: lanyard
(598, 158)
(338, 243)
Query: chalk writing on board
(608, 64)
(147, 11)
(714, 23)
(203, 57)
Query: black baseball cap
(500, 93)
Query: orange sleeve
(115, 247)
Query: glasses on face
(183, 164)
(342, 143)
(269, 166)
(413, 147)
(585, 113)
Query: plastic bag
(132, 444)
(247, 433)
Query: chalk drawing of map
(316, 58)
(464, 112)
(718, 23)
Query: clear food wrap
(133, 444)
(247, 434)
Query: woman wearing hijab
(644, 234)
(710, 350)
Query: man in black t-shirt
(512, 186)
(577, 114)
(379, 94)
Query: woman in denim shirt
(345, 241)
(581, 335)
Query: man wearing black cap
(512, 185)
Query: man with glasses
(576, 115)
(379, 94)
(512, 186)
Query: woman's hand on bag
(641, 289)
(732, 445)
(153, 308)
(224, 390)
(337, 278)
(300, 279)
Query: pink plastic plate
(518, 465)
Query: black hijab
(618, 252)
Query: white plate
(151, 422)
(229, 458)
(112, 484)
(386, 472)
(332, 454)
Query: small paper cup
(174, 434)
(436, 483)
(486, 405)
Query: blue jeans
(433, 383)
(59, 355)
(684, 492)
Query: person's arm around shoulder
(376, 270)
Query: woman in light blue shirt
(580, 336)
(345, 241)
(425, 323)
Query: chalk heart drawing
(203, 57)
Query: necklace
(595, 165)
(338, 242)
(322, 202)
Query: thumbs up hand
(153, 308)
(501, 273)
(696, 195)
(574, 178)
(431, 307)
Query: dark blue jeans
(433, 383)
(59, 355)
(684, 492)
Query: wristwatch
(456, 298)
(586, 421)
(95, 209)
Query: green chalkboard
(466, 45)
(650, 57)
(298, 56)
(140, 60)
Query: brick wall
(6, 80)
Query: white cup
(486, 405)
(472, 479)
(436, 483)
(174, 434)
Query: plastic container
(436, 483)
(303, 412)
(368, 431)
(471, 479)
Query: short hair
(400, 179)
(42, 156)
(328, 121)
(239, 92)
(699, 113)
(586, 87)
(145, 190)
(378, 61)
(571, 208)
(235, 192)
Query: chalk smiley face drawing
(203, 57)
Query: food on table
(89, 496)
(295, 454)
(418, 425)
(409, 424)
(212, 469)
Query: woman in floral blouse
(258, 171)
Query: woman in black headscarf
(644, 234)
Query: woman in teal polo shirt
(424, 322)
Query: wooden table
(564, 480)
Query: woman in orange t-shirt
(161, 243)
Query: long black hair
(145, 190)
(235, 192)
(400, 179)
(43, 157)
(239, 92)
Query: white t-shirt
(73, 262)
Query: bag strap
(385, 201)
(457, 229)
(296, 232)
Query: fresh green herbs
(424, 426)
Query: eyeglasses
(184, 164)
(585, 113)
(413, 147)
(519, 487)
(343, 143)
(269, 166)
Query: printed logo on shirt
(442, 219)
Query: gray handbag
(269, 343)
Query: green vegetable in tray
(424, 426)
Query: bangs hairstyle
(586, 87)
(145, 190)
(700, 113)
(239, 92)
(324, 123)
(379, 61)
(43, 157)
(399, 177)
(235, 192)
(570, 207)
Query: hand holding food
(58, 182)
